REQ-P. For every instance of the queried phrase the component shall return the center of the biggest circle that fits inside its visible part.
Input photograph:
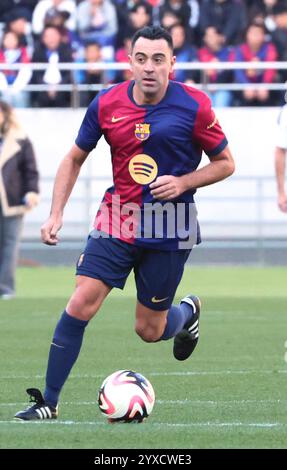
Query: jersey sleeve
(281, 134)
(207, 131)
(90, 130)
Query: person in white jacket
(97, 21)
(41, 9)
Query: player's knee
(82, 308)
(147, 334)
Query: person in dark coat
(19, 192)
(227, 16)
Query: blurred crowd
(90, 31)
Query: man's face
(212, 39)
(10, 40)
(255, 37)
(140, 17)
(151, 62)
(19, 26)
(281, 20)
(93, 53)
(178, 36)
(51, 38)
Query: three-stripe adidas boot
(40, 410)
(186, 340)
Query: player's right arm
(280, 169)
(69, 169)
(66, 177)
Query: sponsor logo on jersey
(143, 169)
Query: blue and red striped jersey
(148, 141)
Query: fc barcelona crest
(142, 131)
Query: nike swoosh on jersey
(155, 300)
(116, 119)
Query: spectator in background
(194, 15)
(13, 82)
(19, 192)
(59, 19)
(18, 22)
(140, 16)
(227, 16)
(180, 8)
(43, 8)
(255, 49)
(169, 19)
(7, 6)
(184, 52)
(97, 21)
(52, 51)
(92, 75)
(174, 12)
(215, 51)
(194, 21)
(263, 11)
(122, 55)
(279, 34)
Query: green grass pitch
(231, 393)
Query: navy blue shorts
(157, 272)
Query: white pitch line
(219, 372)
(219, 402)
(221, 425)
(156, 374)
(174, 425)
(168, 402)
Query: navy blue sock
(177, 317)
(65, 348)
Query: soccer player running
(280, 159)
(157, 130)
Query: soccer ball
(126, 396)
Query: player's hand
(282, 202)
(167, 187)
(50, 229)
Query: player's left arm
(169, 187)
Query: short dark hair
(256, 24)
(153, 32)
